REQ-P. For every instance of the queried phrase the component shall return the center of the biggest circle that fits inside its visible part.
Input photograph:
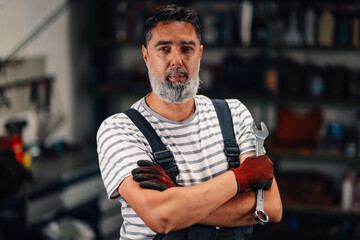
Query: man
(210, 194)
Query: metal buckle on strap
(231, 148)
(163, 156)
(232, 153)
(165, 159)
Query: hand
(150, 175)
(255, 173)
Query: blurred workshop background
(65, 65)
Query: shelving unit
(122, 78)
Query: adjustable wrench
(260, 135)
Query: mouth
(178, 77)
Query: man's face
(173, 59)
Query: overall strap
(162, 155)
(231, 147)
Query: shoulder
(114, 125)
(237, 107)
(118, 123)
(234, 103)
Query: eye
(187, 49)
(164, 49)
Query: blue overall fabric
(201, 232)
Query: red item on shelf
(298, 128)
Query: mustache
(176, 71)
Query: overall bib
(165, 158)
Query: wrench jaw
(260, 136)
(264, 130)
(260, 133)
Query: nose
(176, 60)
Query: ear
(145, 54)
(201, 51)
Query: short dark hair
(172, 13)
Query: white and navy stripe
(196, 143)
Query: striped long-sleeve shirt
(196, 143)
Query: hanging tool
(260, 135)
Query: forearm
(178, 207)
(239, 211)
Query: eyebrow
(170, 42)
(163, 43)
(188, 43)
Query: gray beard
(174, 92)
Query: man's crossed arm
(208, 203)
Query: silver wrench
(260, 135)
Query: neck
(171, 111)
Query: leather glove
(254, 173)
(150, 175)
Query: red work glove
(150, 175)
(255, 173)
